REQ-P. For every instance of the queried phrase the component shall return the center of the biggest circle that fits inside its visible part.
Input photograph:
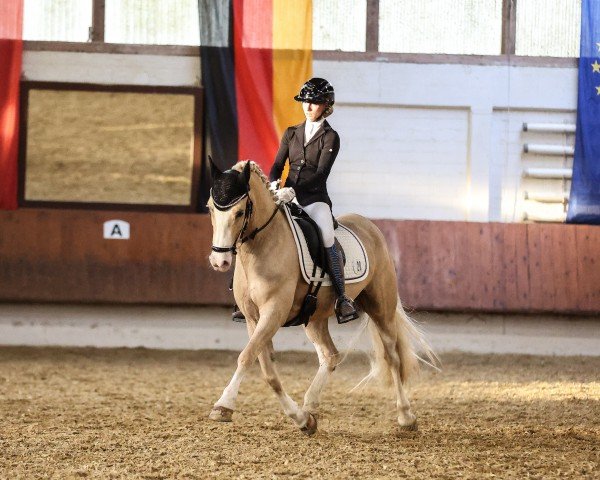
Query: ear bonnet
(228, 189)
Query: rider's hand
(285, 194)
(275, 185)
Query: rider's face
(313, 111)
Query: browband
(227, 207)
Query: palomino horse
(269, 290)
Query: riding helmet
(316, 90)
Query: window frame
(507, 55)
(197, 147)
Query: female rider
(311, 148)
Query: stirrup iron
(237, 315)
(350, 315)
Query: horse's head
(230, 209)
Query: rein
(247, 215)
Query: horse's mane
(238, 167)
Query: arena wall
(433, 149)
(61, 256)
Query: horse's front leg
(269, 321)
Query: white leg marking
(312, 397)
(405, 417)
(291, 409)
(230, 393)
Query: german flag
(255, 56)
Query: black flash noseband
(247, 215)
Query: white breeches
(321, 214)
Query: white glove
(275, 185)
(285, 194)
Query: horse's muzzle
(221, 261)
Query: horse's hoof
(411, 427)
(311, 425)
(221, 414)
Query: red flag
(11, 53)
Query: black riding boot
(344, 306)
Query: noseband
(247, 215)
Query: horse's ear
(214, 170)
(246, 172)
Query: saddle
(311, 257)
(312, 235)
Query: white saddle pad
(357, 263)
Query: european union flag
(584, 201)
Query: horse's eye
(239, 214)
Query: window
(548, 28)
(339, 25)
(155, 22)
(108, 145)
(441, 26)
(536, 28)
(59, 20)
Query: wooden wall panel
(523, 260)
(497, 267)
(535, 271)
(442, 261)
(588, 266)
(60, 256)
(510, 275)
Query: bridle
(247, 215)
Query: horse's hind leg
(305, 420)
(317, 331)
(390, 343)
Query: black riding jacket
(310, 165)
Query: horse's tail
(411, 347)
